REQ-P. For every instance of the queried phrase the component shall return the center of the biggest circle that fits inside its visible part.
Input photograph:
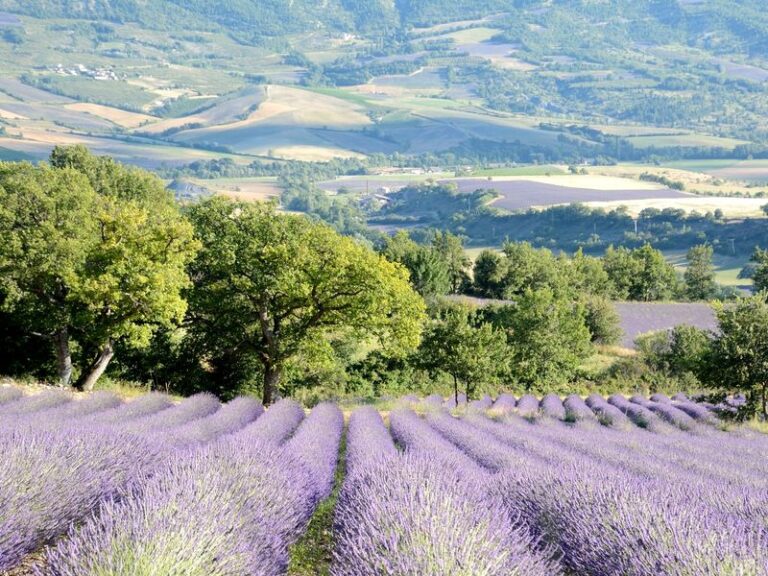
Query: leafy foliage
(269, 285)
(94, 250)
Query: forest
(105, 277)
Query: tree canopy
(271, 286)
(458, 343)
(738, 357)
(94, 251)
(700, 274)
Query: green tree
(271, 286)
(94, 251)
(738, 358)
(587, 275)
(640, 274)
(602, 320)
(547, 337)
(450, 248)
(470, 351)
(429, 272)
(760, 270)
(47, 224)
(529, 268)
(700, 274)
(488, 272)
(677, 352)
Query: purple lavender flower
(528, 406)
(607, 414)
(576, 410)
(50, 479)
(552, 406)
(504, 403)
(35, 402)
(232, 417)
(316, 445)
(278, 422)
(230, 508)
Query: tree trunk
(455, 390)
(97, 368)
(63, 357)
(765, 403)
(272, 375)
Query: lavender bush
(504, 403)
(231, 508)
(316, 445)
(482, 404)
(410, 514)
(233, 416)
(142, 406)
(35, 402)
(50, 479)
(528, 405)
(639, 414)
(607, 414)
(552, 406)
(188, 410)
(576, 410)
(276, 425)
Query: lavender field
(524, 194)
(506, 486)
(640, 317)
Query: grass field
(546, 170)
(247, 189)
(732, 207)
(684, 140)
(727, 268)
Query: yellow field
(313, 153)
(694, 181)
(246, 189)
(6, 115)
(590, 181)
(120, 117)
(732, 207)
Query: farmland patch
(641, 317)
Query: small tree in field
(738, 357)
(469, 351)
(700, 274)
(269, 286)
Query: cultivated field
(519, 193)
(730, 207)
(540, 487)
(640, 317)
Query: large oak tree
(92, 251)
(268, 285)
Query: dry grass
(313, 153)
(6, 115)
(732, 207)
(245, 189)
(693, 181)
(120, 117)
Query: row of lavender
(657, 413)
(602, 502)
(148, 487)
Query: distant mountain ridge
(743, 20)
